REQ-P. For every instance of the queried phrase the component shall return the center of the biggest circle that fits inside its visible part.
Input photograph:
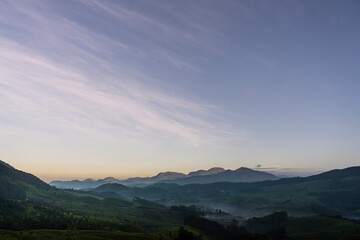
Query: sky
(131, 88)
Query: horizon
(279, 172)
(91, 89)
(282, 173)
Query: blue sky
(132, 88)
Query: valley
(32, 209)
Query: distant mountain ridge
(211, 171)
(332, 192)
(211, 175)
(239, 175)
(158, 177)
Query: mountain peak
(211, 171)
(89, 180)
(216, 169)
(167, 175)
(243, 169)
(110, 179)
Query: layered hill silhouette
(201, 176)
(332, 192)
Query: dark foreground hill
(333, 192)
(26, 202)
(15, 183)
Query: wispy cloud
(39, 88)
(57, 70)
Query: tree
(185, 234)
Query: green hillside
(26, 202)
(323, 193)
(14, 184)
(31, 209)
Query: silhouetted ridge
(206, 172)
(215, 174)
(110, 187)
(11, 173)
(238, 175)
(13, 182)
(169, 175)
(6, 165)
(338, 173)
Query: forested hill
(333, 192)
(14, 183)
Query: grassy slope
(33, 199)
(138, 213)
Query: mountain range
(211, 175)
(332, 192)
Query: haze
(132, 88)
